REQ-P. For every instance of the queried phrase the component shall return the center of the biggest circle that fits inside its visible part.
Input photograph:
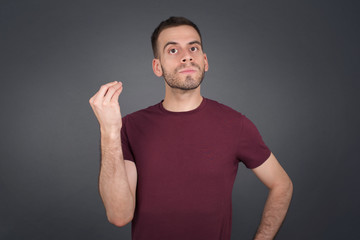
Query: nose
(186, 58)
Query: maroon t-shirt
(186, 164)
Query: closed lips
(187, 70)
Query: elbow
(285, 186)
(288, 188)
(120, 221)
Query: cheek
(170, 63)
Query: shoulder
(227, 115)
(140, 114)
(223, 109)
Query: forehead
(180, 34)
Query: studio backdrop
(292, 67)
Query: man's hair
(168, 23)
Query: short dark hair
(170, 22)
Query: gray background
(291, 66)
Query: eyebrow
(194, 42)
(176, 43)
(169, 43)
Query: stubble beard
(190, 83)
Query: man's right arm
(118, 177)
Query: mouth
(187, 70)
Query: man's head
(168, 23)
(178, 53)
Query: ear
(156, 65)
(206, 63)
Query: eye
(173, 51)
(194, 49)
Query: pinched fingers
(115, 97)
(100, 95)
(106, 106)
(113, 93)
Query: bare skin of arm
(278, 201)
(118, 177)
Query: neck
(177, 100)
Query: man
(170, 168)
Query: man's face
(181, 61)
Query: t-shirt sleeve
(252, 150)
(126, 148)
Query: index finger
(111, 90)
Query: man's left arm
(278, 201)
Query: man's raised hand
(105, 104)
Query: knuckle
(113, 104)
(92, 102)
(96, 103)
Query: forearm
(275, 211)
(113, 181)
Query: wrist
(110, 133)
